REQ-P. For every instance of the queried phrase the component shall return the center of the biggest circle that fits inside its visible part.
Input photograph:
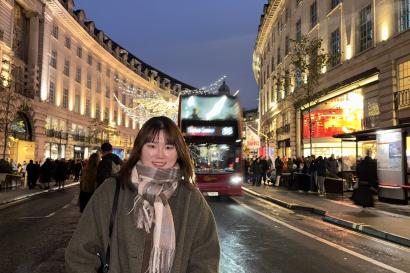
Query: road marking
(47, 216)
(329, 243)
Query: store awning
(371, 133)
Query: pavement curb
(26, 196)
(366, 229)
(360, 227)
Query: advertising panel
(343, 114)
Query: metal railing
(402, 99)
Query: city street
(256, 236)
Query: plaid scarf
(155, 187)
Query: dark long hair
(148, 133)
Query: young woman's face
(159, 154)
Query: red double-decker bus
(211, 128)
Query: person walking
(88, 180)
(46, 173)
(279, 169)
(77, 170)
(321, 175)
(367, 182)
(61, 173)
(163, 223)
(109, 165)
(31, 174)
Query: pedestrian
(61, 173)
(31, 174)
(144, 237)
(367, 183)
(279, 169)
(88, 180)
(109, 165)
(257, 172)
(264, 167)
(321, 175)
(77, 170)
(332, 166)
(45, 173)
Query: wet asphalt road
(259, 237)
(256, 237)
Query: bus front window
(215, 158)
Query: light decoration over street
(150, 103)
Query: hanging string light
(146, 104)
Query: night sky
(193, 41)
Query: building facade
(67, 73)
(365, 85)
(362, 103)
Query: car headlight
(236, 179)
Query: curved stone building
(65, 70)
(366, 86)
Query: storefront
(390, 146)
(338, 115)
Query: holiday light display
(149, 103)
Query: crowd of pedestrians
(314, 170)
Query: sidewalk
(23, 193)
(386, 221)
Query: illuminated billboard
(209, 108)
(340, 115)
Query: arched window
(21, 127)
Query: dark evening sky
(193, 41)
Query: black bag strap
(106, 266)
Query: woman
(163, 223)
(88, 180)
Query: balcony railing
(283, 130)
(402, 99)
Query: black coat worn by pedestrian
(109, 165)
(367, 185)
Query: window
(98, 88)
(79, 52)
(287, 45)
(78, 75)
(313, 14)
(66, 68)
(287, 15)
(99, 67)
(52, 93)
(298, 30)
(298, 79)
(115, 116)
(65, 98)
(90, 59)
(286, 83)
(54, 31)
(404, 76)
(87, 108)
(335, 48)
(106, 114)
(107, 92)
(89, 80)
(67, 42)
(272, 66)
(77, 104)
(366, 28)
(97, 111)
(279, 57)
(123, 99)
(404, 15)
(53, 58)
(334, 3)
(108, 72)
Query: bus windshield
(215, 158)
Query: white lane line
(47, 216)
(341, 248)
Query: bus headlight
(236, 179)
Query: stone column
(33, 39)
(45, 55)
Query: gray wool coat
(197, 244)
